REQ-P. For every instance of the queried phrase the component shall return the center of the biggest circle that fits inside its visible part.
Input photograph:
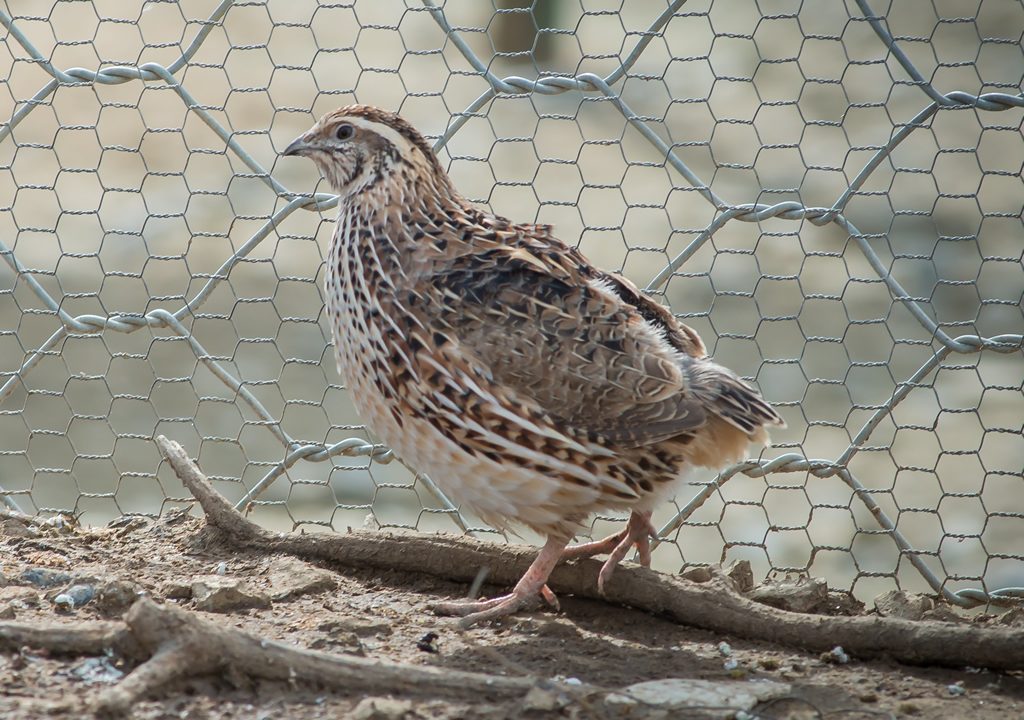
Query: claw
(638, 532)
(532, 587)
(550, 598)
(526, 595)
(472, 612)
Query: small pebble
(74, 597)
(97, 670)
(381, 708)
(60, 522)
(724, 649)
(839, 655)
(731, 664)
(573, 681)
(957, 689)
(428, 643)
(222, 568)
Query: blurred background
(119, 198)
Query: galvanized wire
(162, 321)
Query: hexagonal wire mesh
(797, 183)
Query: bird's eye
(345, 131)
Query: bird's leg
(594, 547)
(525, 594)
(533, 585)
(638, 532)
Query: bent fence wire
(831, 196)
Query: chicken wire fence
(830, 194)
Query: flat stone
(545, 699)
(903, 605)
(114, 597)
(800, 594)
(725, 697)
(697, 574)
(217, 593)
(176, 590)
(742, 575)
(381, 708)
(290, 578)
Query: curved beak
(298, 146)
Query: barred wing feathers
(557, 333)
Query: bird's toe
(473, 612)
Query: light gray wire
(837, 214)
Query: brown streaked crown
(392, 120)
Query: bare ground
(383, 615)
(344, 636)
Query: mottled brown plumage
(532, 386)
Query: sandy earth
(384, 616)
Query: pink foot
(594, 547)
(638, 532)
(526, 594)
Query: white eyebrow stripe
(388, 133)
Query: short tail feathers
(733, 400)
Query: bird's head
(359, 147)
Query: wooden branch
(181, 644)
(712, 606)
(93, 638)
(174, 644)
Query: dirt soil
(384, 616)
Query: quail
(534, 387)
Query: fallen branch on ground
(93, 638)
(713, 606)
(177, 644)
